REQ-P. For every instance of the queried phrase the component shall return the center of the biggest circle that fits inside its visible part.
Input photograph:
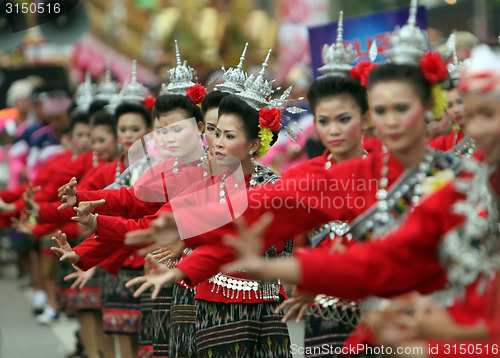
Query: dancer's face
(131, 127)
(398, 114)
(211, 117)
(179, 134)
(80, 137)
(104, 142)
(339, 123)
(231, 140)
(482, 120)
(455, 107)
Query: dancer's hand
(67, 194)
(158, 276)
(29, 200)
(248, 246)
(63, 249)
(163, 232)
(22, 225)
(84, 213)
(170, 252)
(81, 277)
(299, 302)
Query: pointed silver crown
(336, 58)
(257, 89)
(107, 89)
(116, 99)
(85, 93)
(456, 66)
(134, 91)
(180, 77)
(409, 43)
(234, 78)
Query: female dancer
(340, 109)
(249, 313)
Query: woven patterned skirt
(87, 298)
(121, 309)
(253, 330)
(320, 332)
(146, 326)
(161, 320)
(182, 335)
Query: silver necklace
(253, 182)
(382, 214)
(202, 161)
(123, 181)
(176, 163)
(175, 166)
(329, 163)
(95, 159)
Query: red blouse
(447, 142)
(111, 230)
(301, 201)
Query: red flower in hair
(149, 102)
(433, 67)
(196, 93)
(361, 71)
(270, 118)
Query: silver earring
(250, 153)
(429, 115)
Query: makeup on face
(230, 139)
(179, 135)
(455, 107)
(104, 142)
(338, 121)
(130, 128)
(80, 137)
(400, 117)
(211, 117)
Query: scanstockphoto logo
(60, 21)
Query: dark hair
(71, 108)
(334, 86)
(249, 116)
(128, 107)
(450, 84)
(170, 102)
(404, 73)
(212, 100)
(103, 118)
(77, 117)
(97, 105)
(51, 91)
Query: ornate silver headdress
(336, 58)
(234, 78)
(180, 77)
(85, 93)
(132, 91)
(409, 43)
(107, 89)
(257, 89)
(456, 66)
